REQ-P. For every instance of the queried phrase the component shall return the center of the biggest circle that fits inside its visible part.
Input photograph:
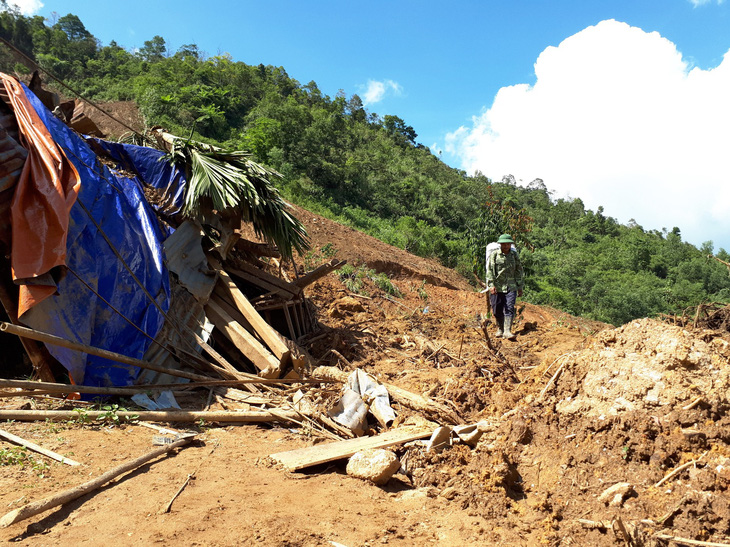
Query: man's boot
(500, 327)
(508, 328)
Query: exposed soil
(569, 409)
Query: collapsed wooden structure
(235, 326)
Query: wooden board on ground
(294, 460)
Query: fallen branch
(685, 541)
(187, 480)
(552, 379)
(71, 494)
(680, 469)
(36, 448)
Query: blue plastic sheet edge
(119, 208)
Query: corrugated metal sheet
(185, 258)
(188, 313)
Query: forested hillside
(370, 172)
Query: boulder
(376, 465)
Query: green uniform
(505, 271)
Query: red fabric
(46, 190)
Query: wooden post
(289, 323)
(297, 322)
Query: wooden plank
(222, 297)
(36, 448)
(289, 323)
(297, 322)
(294, 460)
(319, 272)
(265, 331)
(254, 350)
(261, 275)
(257, 281)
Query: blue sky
(622, 103)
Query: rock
(614, 496)
(469, 434)
(441, 438)
(376, 465)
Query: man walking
(505, 281)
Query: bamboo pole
(251, 416)
(91, 350)
(37, 507)
(48, 387)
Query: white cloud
(27, 7)
(375, 91)
(617, 118)
(697, 3)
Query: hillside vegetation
(369, 172)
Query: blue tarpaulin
(113, 207)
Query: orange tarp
(46, 190)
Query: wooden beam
(254, 350)
(319, 272)
(259, 276)
(265, 331)
(323, 453)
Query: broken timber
(36, 448)
(294, 460)
(265, 331)
(319, 272)
(249, 346)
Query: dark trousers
(503, 304)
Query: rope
(76, 93)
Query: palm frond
(232, 182)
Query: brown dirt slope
(591, 435)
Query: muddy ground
(593, 435)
